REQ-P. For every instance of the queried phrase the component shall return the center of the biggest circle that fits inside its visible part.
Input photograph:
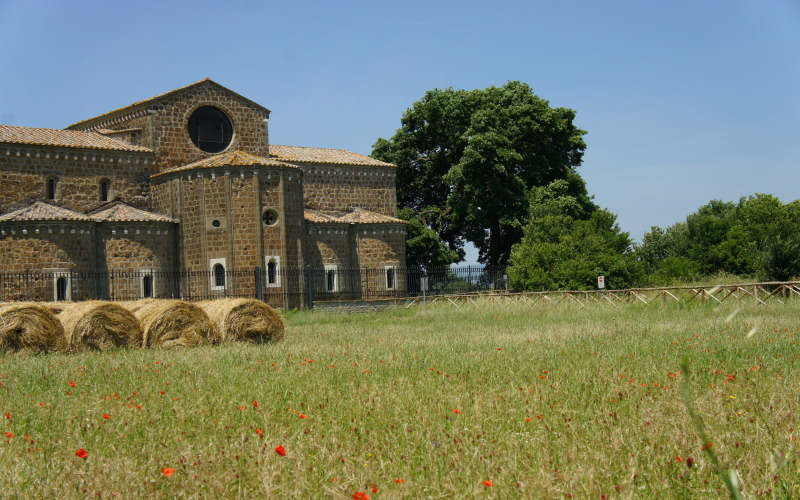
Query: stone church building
(182, 195)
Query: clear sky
(683, 102)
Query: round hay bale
(244, 320)
(96, 325)
(30, 328)
(174, 323)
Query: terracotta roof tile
(305, 154)
(355, 216)
(118, 211)
(232, 158)
(40, 210)
(64, 138)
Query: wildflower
(81, 453)
(167, 471)
(689, 462)
(106, 416)
(399, 481)
(528, 419)
(456, 411)
(259, 432)
(678, 458)
(374, 489)
(9, 435)
(255, 404)
(360, 495)
(303, 416)
(72, 383)
(487, 483)
(280, 450)
(8, 416)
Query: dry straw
(173, 323)
(100, 326)
(244, 320)
(30, 328)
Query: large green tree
(467, 160)
(568, 244)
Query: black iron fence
(284, 288)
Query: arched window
(147, 285)
(105, 188)
(219, 276)
(61, 288)
(51, 188)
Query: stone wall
(164, 124)
(129, 251)
(221, 213)
(25, 170)
(34, 254)
(343, 187)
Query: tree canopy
(568, 244)
(757, 237)
(467, 160)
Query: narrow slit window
(330, 278)
(272, 272)
(390, 278)
(105, 186)
(51, 189)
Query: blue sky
(683, 101)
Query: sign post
(601, 282)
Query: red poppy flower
(360, 495)
(399, 481)
(255, 404)
(280, 450)
(81, 453)
(9, 435)
(374, 489)
(259, 431)
(302, 415)
(167, 471)
(72, 383)
(456, 411)
(106, 416)
(487, 483)
(8, 416)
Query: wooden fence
(766, 293)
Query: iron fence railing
(288, 287)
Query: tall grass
(551, 401)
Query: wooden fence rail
(763, 293)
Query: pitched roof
(143, 103)
(232, 158)
(64, 138)
(40, 210)
(119, 211)
(305, 154)
(355, 216)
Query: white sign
(601, 282)
(423, 283)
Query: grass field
(483, 400)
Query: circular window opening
(216, 223)
(270, 217)
(210, 129)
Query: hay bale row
(95, 325)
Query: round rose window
(210, 129)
